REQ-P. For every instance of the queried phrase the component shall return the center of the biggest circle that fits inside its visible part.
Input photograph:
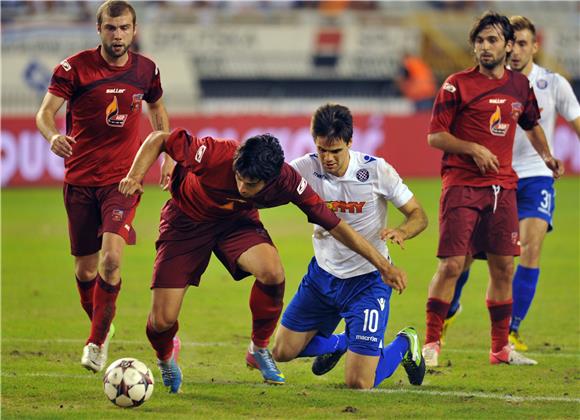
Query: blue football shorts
(322, 300)
(536, 197)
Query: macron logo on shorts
(381, 303)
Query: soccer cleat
(448, 322)
(509, 356)
(431, 354)
(105, 346)
(413, 361)
(171, 374)
(91, 358)
(517, 342)
(262, 360)
(326, 362)
(176, 348)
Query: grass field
(44, 328)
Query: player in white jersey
(338, 283)
(535, 194)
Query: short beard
(493, 64)
(111, 52)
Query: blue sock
(524, 289)
(390, 358)
(457, 295)
(322, 345)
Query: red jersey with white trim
(204, 186)
(473, 107)
(103, 113)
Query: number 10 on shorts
(371, 323)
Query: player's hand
(484, 159)
(394, 277)
(555, 165)
(166, 171)
(60, 145)
(129, 186)
(394, 235)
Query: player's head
(116, 25)
(256, 162)
(332, 128)
(525, 45)
(492, 38)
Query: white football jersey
(359, 198)
(555, 96)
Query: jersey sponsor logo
(65, 65)
(355, 207)
(542, 83)
(112, 115)
(497, 101)
(496, 127)
(117, 215)
(319, 176)
(301, 186)
(449, 87)
(116, 90)
(381, 303)
(362, 175)
(136, 102)
(200, 152)
(517, 109)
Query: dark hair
(520, 23)
(115, 8)
(332, 121)
(494, 19)
(260, 157)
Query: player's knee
(86, 273)
(451, 268)
(358, 382)
(270, 274)
(282, 353)
(531, 251)
(160, 323)
(111, 263)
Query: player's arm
(393, 276)
(538, 139)
(160, 122)
(483, 158)
(60, 144)
(415, 222)
(148, 153)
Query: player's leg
(86, 272)
(289, 344)
(455, 308)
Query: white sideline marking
(230, 344)
(464, 394)
(504, 397)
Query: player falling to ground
(535, 194)
(473, 122)
(339, 283)
(216, 189)
(104, 89)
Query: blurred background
(236, 68)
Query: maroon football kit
(207, 214)
(103, 115)
(478, 212)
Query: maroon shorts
(184, 246)
(94, 210)
(469, 224)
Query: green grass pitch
(44, 328)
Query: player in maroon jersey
(216, 189)
(104, 88)
(473, 122)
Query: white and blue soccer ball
(128, 382)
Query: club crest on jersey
(542, 83)
(117, 215)
(136, 102)
(362, 175)
(496, 127)
(517, 109)
(113, 118)
(354, 207)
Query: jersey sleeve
(62, 83)
(391, 186)
(445, 107)
(155, 90)
(566, 102)
(306, 199)
(531, 113)
(194, 153)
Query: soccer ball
(128, 382)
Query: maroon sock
(162, 342)
(104, 307)
(500, 314)
(86, 290)
(436, 313)
(266, 302)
